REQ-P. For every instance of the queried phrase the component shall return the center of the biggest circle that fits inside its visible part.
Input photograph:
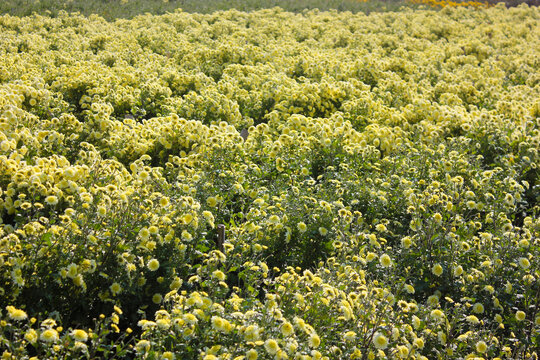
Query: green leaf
(47, 238)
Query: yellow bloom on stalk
(349, 336)
(218, 275)
(481, 347)
(49, 336)
(520, 315)
(419, 343)
(287, 329)
(143, 346)
(385, 260)
(167, 355)
(271, 346)
(164, 201)
(406, 242)
(402, 351)
(380, 341)
(252, 354)
(274, 220)
(437, 269)
(209, 218)
(437, 314)
(186, 236)
(524, 263)
(51, 200)
(16, 314)
(433, 300)
(478, 308)
(314, 341)
(370, 256)
(187, 218)
(72, 271)
(143, 175)
(357, 354)
(458, 270)
(280, 164)
(211, 201)
(414, 224)
(79, 335)
(441, 336)
(5, 145)
(163, 323)
(523, 243)
(302, 227)
(144, 233)
(115, 288)
(154, 230)
(153, 264)
(416, 322)
(157, 298)
(102, 211)
(251, 333)
(31, 336)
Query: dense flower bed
(384, 203)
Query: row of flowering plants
(377, 177)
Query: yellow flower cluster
(376, 175)
(444, 3)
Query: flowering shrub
(435, 3)
(377, 177)
(126, 9)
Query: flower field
(376, 176)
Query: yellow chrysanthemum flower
(287, 329)
(271, 346)
(153, 264)
(79, 335)
(211, 201)
(51, 200)
(481, 347)
(478, 308)
(115, 288)
(380, 341)
(437, 269)
(16, 314)
(31, 336)
(49, 336)
(252, 354)
(524, 263)
(385, 260)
